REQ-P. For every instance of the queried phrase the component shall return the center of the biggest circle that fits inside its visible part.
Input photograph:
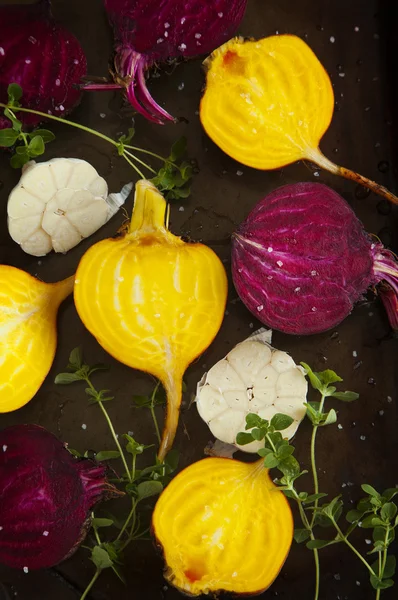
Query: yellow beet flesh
(223, 525)
(267, 103)
(152, 301)
(28, 335)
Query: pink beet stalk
(149, 32)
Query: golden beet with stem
(268, 103)
(153, 302)
(223, 525)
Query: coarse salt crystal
(389, 399)
(84, 426)
(313, 273)
(166, 34)
(279, 263)
(182, 47)
(198, 36)
(1, 529)
(316, 173)
(313, 309)
(356, 29)
(332, 39)
(166, 25)
(363, 437)
(57, 82)
(2, 52)
(339, 426)
(159, 40)
(75, 62)
(239, 173)
(28, 61)
(5, 448)
(25, 570)
(260, 307)
(341, 74)
(297, 289)
(61, 107)
(181, 209)
(251, 325)
(220, 14)
(32, 39)
(270, 249)
(45, 533)
(368, 542)
(354, 353)
(183, 20)
(181, 86)
(381, 412)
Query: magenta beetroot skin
(150, 31)
(302, 259)
(42, 57)
(45, 497)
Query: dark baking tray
(362, 136)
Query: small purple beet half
(45, 497)
(302, 259)
(42, 57)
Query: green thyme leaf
(146, 489)
(300, 535)
(66, 378)
(101, 558)
(15, 93)
(8, 137)
(36, 146)
(97, 523)
(314, 379)
(45, 134)
(106, 455)
(281, 422)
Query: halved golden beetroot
(223, 526)
(28, 333)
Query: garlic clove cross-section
(252, 378)
(58, 203)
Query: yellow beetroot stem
(149, 210)
(320, 159)
(62, 289)
(173, 389)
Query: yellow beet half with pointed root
(153, 302)
(268, 103)
(28, 334)
(223, 525)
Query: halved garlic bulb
(252, 378)
(58, 203)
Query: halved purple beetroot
(302, 259)
(42, 57)
(45, 497)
